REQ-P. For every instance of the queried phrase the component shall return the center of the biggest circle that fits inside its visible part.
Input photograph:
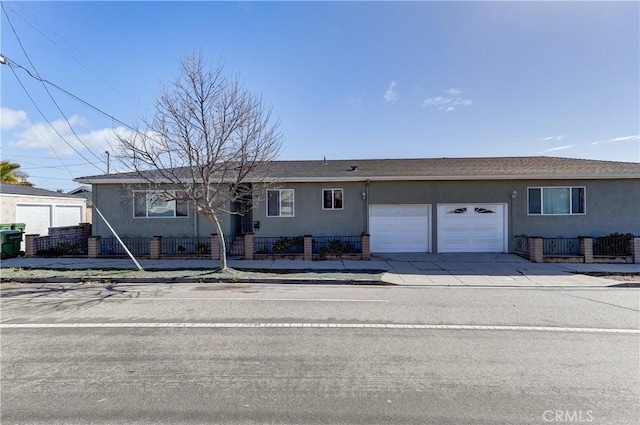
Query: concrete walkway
(401, 269)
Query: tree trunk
(223, 246)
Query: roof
(20, 189)
(486, 168)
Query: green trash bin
(13, 226)
(18, 226)
(10, 240)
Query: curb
(274, 281)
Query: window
(556, 200)
(280, 203)
(157, 205)
(332, 199)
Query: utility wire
(44, 85)
(49, 122)
(12, 63)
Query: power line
(44, 85)
(12, 63)
(48, 122)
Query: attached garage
(472, 228)
(400, 228)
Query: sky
(347, 80)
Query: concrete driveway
(491, 269)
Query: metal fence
(522, 243)
(137, 246)
(279, 245)
(560, 246)
(326, 245)
(234, 245)
(191, 245)
(53, 246)
(612, 245)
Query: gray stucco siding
(611, 206)
(116, 204)
(309, 216)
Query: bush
(289, 245)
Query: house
(40, 209)
(406, 205)
(85, 192)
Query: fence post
(93, 246)
(586, 248)
(308, 248)
(366, 247)
(248, 246)
(156, 247)
(536, 254)
(215, 246)
(635, 249)
(30, 245)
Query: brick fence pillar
(215, 246)
(635, 249)
(536, 254)
(308, 248)
(586, 248)
(93, 246)
(248, 246)
(30, 245)
(366, 247)
(156, 247)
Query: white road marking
(126, 298)
(317, 325)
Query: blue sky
(347, 79)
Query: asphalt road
(245, 354)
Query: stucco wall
(8, 203)
(611, 206)
(309, 217)
(116, 204)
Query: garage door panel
(37, 218)
(67, 215)
(399, 228)
(471, 228)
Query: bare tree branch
(205, 143)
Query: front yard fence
(614, 248)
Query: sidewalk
(399, 269)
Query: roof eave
(363, 178)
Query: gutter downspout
(366, 208)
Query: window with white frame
(157, 204)
(556, 200)
(332, 199)
(280, 203)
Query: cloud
(391, 95)
(618, 139)
(58, 138)
(447, 103)
(12, 118)
(559, 148)
(554, 138)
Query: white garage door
(36, 217)
(471, 228)
(399, 228)
(67, 215)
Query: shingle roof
(537, 167)
(19, 189)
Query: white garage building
(40, 209)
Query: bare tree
(205, 143)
